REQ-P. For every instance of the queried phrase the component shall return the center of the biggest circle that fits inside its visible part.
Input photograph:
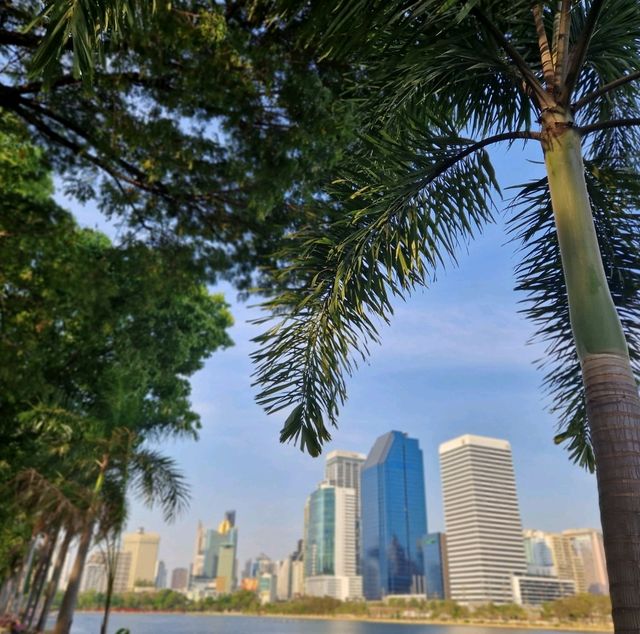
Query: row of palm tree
(75, 493)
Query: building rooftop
(478, 441)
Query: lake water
(196, 624)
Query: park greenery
(273, 143)
(579, 609)
(97, 345)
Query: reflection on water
(195, 624)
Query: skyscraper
(394, 517)
(330, 557)
(484, 531)
(143, 549)
(554, 554)
(214, 564)
(342, 469)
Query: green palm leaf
(406, 208)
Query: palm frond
(86, 26)
(156, 479)
(406, 206)
(615, 195)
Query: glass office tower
(394, 517)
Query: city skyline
(455, 360)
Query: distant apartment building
(532, 590)
(394, 517)
(142, 550)
(179, 579)
(94, 574)
(484, 531)
(588, 545)
(330, 544)
(436, 566)
(553, 555)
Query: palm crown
(436, 84)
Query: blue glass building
(394, 517)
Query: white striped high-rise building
(482, 516)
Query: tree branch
(443, 166)
(528, 76)
(579, 52)
(607, 125)
(603, 90)
(543, 45)
(15, 38)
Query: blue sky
(455, 360)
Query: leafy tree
(194, 127)
(97, 343)
(451, 79)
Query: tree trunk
(65, 614)
(32, 610)
(613, 404)
(39, 578)
(15, 601)
(107, 605)
(52, 586)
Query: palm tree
(435, 83)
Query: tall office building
(342, 469)
(436, 566)
(330, 556)
(394, 517)
(94, 574)
(143, 549)
(484, 531)
(588, 545)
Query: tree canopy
(97, 344)
(201, 126)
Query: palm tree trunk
(15, 600)
(52, 586)
(39, 577)
(613, 404)
(107, 604)
(32, 609)
(65, 614)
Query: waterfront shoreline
(583, 627)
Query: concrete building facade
(482, 516)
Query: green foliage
(508, 612)
(582, 607)
(414, 188)
(200, 127)
(96, 348)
